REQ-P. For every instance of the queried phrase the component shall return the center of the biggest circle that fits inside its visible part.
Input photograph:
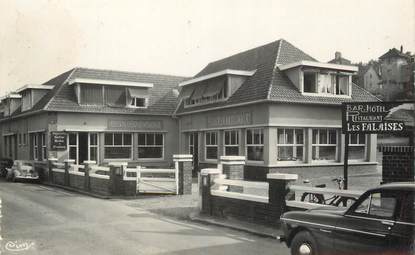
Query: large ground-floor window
(255, 144)
(211, 145)
(118, 145)
(357, 147)
(324, 144)
(290, 144)
(150, 145)
(231, 142)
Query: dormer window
(321, 79)
(138, 102)
(111, 93)
(211, 88)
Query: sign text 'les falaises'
(374, 117)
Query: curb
(76, 190)
(211, 221)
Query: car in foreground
(22, 171)
(381, 221)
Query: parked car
(381, 221)
(22, 171)
(4, 164)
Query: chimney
(401, 49)
(337, 55)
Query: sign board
(58, 141)
(135, 124)
(376, 117)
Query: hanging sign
(376, 117)
(58, 141)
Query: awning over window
(138, 92)
(198, 93)
(214, 88)
(186, 91)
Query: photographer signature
(18, 246)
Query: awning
(186, 91)
(214, 88)
(138, 92)
(198, 93)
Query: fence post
(184, 163)
(207, 178)
(116, 177)
(278, 191)
(51, 162)
(67, 162)
(233, 168)
(87, 168)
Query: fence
(118, 179)
(261, 202)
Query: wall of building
(102, 123)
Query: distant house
(338, 59)
(370, 78)
(396, 74)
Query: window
(192, 143)
(73, 146)
(138, 102)
(93, 147)
(324, 144)
(211, 145)
(91, 94)
(378, 205)
(357, 147)
(206, 92)
(255, 144)
(231, 142)
(150, 145)
(35, 142)
(43, 139)
(117, 146)
(326, 83)
(24, 139)
(290, 144)
(115, 96)
(20, 139)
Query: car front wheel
(304, 244)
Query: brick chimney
(337, 55)
(401, 49)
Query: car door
(366, 226)
(403, 231)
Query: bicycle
(335, 200)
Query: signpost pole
(346, 161)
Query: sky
(43, 38)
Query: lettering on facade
(234, 119)
(375, 117)
(135, 124)
(58, 141)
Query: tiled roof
(340, 61)
(269, 83)
(163, 99)
(394, 53)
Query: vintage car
(22, 170)
(4, 164)
(381, 221)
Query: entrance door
(194, 150)
(83, 147)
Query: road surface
(46, 220)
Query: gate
(155, 180)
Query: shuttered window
(91, 94)
(115, 96)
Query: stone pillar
(51, 161)
(207, 177)
(183, 164)
(233, 168)
(87, 164)
(116, 177)
(278, 192)
(67, 162)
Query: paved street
(54, 221)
